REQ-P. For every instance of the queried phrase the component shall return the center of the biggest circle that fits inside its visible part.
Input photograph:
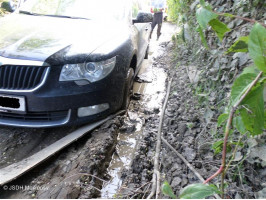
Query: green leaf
(253, 113)
(222, 118)
(197, 191)
(202, 3)
(241, 45)
(239, 124)
(202, 37)
(264, 119)
(215, 188)
(240, 86)
(218, 146)
(251, 70)
(257, 46)
(204, 16)
(167, 190)
(219, 27)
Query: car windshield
(88, 9)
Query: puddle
(152, 95)
(121, 159)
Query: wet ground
(93, 166)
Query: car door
(143, 30)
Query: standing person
(157, 9)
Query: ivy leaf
(167, 190)
(240, 85)
(222, 118)
(204, 16)
(241, 45)
(257, 46)
(253, 115)
(239, 124)
(219, 27)
(197, 191)
(202, 37)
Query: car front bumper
(56, 103)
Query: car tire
(147, 53)
(128, 89)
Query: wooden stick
(187, 163)
(156, 172)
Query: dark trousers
(157, 20)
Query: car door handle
(146, 28)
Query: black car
(65, 62)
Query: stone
(128, 128)
(190, 154)
(234, 63)
(261, 194)
(133, 116)
(182, 128)
(176, 182)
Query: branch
(228, 127)
(242, 18)
(156, 172)
(234, 154)
(186, 162)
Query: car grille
(36, 116)
(21, 77)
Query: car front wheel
(128, 89)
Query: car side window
(140, 5)
(135, 9)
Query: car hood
(39, 37)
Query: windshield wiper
(65, 16)
(61, 16)
(28, 13)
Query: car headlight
(91, 71)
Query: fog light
(92, 110)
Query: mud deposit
(75, 173)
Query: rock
(224, 60)
(238, 196)
(176, 182)
(234, 63)
(128, 128)
(182, 128)
(175, 167)
(184, 182)
(231, 25)
(261, 194)
(243, 58)
(190, 154)
(213, 71)
(133, 116)
(188, 140)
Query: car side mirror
(143, 17)
(9, 6)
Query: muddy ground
(116, 160)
